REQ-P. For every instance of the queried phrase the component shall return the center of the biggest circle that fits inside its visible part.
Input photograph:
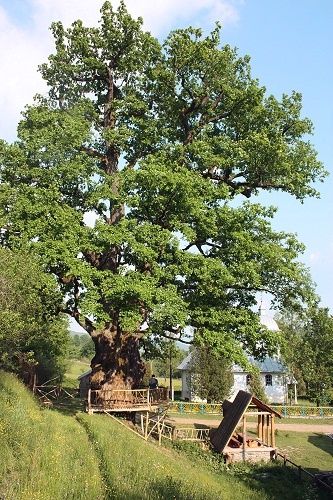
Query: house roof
(266, 365)
(185, 364)
(88, 372)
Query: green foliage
(307, 348)
(44, 454)
(161, 144)
(256, 386)
(211, 375)
(81, 346)
(168, 354)
(32, 334)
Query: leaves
(160, 145)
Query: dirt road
(320, 428)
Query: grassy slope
(44, 455)
(134, 469)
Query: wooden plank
(262, 406)
(221, 436)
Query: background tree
(81, 346)
(169, 351)
(157, 142)
(33, 338)
(256, 386)
(211, 376)
(308, 351)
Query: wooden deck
(120, 400)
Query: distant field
(75, 369)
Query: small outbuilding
(238, 445)
(84, 383)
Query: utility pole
(170, 371)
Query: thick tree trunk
(117, 362)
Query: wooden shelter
(237, 446)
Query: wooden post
(160, 430)
(273, 431)
(263, 428)
(146, 427)
(259, 429)
(244, 438)
(142, 426)
(34, 383)
(89, 402)
(267, 429)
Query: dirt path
(321, 428)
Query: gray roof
(88, 372)
(266, 365)
(185, 364)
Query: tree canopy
(164, 145)
(307, 349)
(33, 337)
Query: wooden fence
(216, 409)
(157, 427)
(301, 472)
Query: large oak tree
(166, 145)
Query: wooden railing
(126, 398)
(158, 427)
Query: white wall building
(274, 375)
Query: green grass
(75, 368)
(134, 469)
(44, 455)
(312, 451)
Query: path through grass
(44, 454)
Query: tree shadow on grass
(68, 406)
(279, 482)
(169, 488)
(323, 442)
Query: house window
(248, 379)
(268, 379)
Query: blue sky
(290, 46)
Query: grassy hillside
(44, 455)
(134, 469)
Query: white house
(274, 375)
